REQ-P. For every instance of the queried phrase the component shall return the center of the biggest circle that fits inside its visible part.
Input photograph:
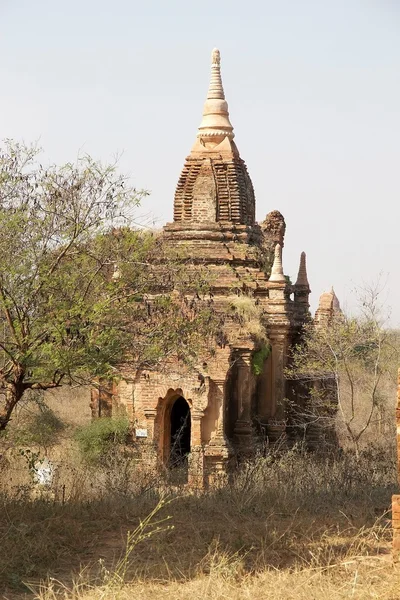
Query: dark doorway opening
(180, 434)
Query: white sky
(314, 95)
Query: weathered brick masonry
(223, 407)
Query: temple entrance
(180, 421)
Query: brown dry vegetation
(287, 526)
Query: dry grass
(291, 526)
(354, 579)
(247, 316)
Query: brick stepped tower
(214, 185)
(214, 206)
(226, 405)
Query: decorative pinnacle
(302, 279)
(329, 301)
(215, 125)
(277, 269)
(335, 301)
(216, 89)
(216, 56)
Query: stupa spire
(302, 279)
(216, 89)
(277, 268)
(214, 186)
(335, 301)
(215, 125)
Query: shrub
(99, 437)
(259, 357)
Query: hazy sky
(314, 96)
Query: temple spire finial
(216, 90)
(277, 268)
(216, 56)
(302, 279)
(215, 125)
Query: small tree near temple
(77, 283)
(350, 365)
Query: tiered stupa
(328, 309)
(214, 185)
(230, 403)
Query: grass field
(292, 526)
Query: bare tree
(349, 363)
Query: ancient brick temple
(328, 308)
(225, 406)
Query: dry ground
(291, 526)
(357, 581)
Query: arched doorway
(180, 428)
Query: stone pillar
(195, 439)
(279, 323)
(101, 398)
(94, 403)
(276, 428)
(150, 414)
(245, 386)
(219, 438)
(396, 498)
(196, 457)
(218, 451)
(124, 398)
(149, 444)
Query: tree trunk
(13, 394)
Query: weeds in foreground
(280, 520)
(111, 579)
(222, 575)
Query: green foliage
(98, 438)
(57, 315)
(259, 357)
(80, 291)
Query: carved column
(150, 414)
(218, 451)
(196, 457)
(151, 443)
(94, 403)
(197, 415)
(101, 398)
(277, 424)
(245, 386)
(279, 323)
